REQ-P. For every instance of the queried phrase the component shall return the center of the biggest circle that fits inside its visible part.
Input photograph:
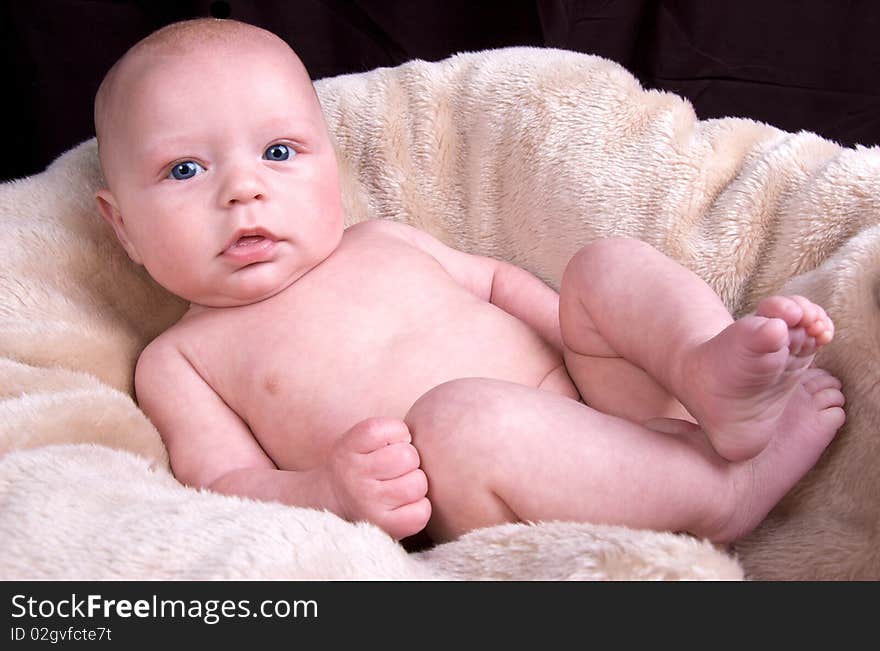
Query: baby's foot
(748, 376)
(812, 416)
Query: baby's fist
(376, 477)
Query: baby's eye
(185, 170)
(278, 152)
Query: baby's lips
(247, 240)
(256, 233)
(250, 249)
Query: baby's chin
(243, 292)
(238, 300)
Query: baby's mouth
(247, 240)
(248, 247)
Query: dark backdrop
(808, 64)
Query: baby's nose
(242, 186)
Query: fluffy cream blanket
(523, 154)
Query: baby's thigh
(470, 433)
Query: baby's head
(221, 176)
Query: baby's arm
(208, 444)
(528, 298)
(372, 472)
(513, 289)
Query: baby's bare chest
(353, 343)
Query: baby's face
(222, 179)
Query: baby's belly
(296, 414)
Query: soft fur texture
(523, 154)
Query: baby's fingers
(407, 520)
(403, 490)
(392, 461)
(376, 433)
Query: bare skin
(377, 373)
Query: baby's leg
(626, 307)
(498, 452)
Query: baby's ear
(110, 212)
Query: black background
(807, 64)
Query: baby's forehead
(187, 44)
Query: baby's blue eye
(185, 170)
(277, 152)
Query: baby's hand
(374, 471)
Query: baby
(375, 372)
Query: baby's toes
(824, 389)
(830, 397)
(822, 328)
(816, 323)
(810, 312)
(816, 379)
(800, 343)
(781, 307)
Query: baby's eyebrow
(299, 123)
(280, 122)
(163, 150)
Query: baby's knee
(602, 255)
(433, 405)
(449, 412)
(458, 427)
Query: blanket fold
(523, 154)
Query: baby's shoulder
(178, 344)
(384, 232)
(168, 362)
(159, 352)
(380, 228)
